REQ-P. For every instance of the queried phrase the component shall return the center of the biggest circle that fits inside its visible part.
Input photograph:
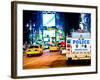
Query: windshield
(34, 47)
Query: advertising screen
(48, 20)
(50, 33)
(46, 39)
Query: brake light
(68, 46)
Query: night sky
(27, 17)
(71, 21)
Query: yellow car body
(54, 48)
(34, 50)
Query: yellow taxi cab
(53, 48)
(34, 50)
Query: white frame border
(68, 70)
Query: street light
(27, 25)
(30, 32)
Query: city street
(50, 60)
(47, 60)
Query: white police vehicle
(80, 46)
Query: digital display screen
(46, 39)
(50, 33)
(48, 20)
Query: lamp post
(33, 32)
(30, 33)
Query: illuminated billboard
(48, 20)
(46, 39)
(50, 33)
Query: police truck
(78, 46)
